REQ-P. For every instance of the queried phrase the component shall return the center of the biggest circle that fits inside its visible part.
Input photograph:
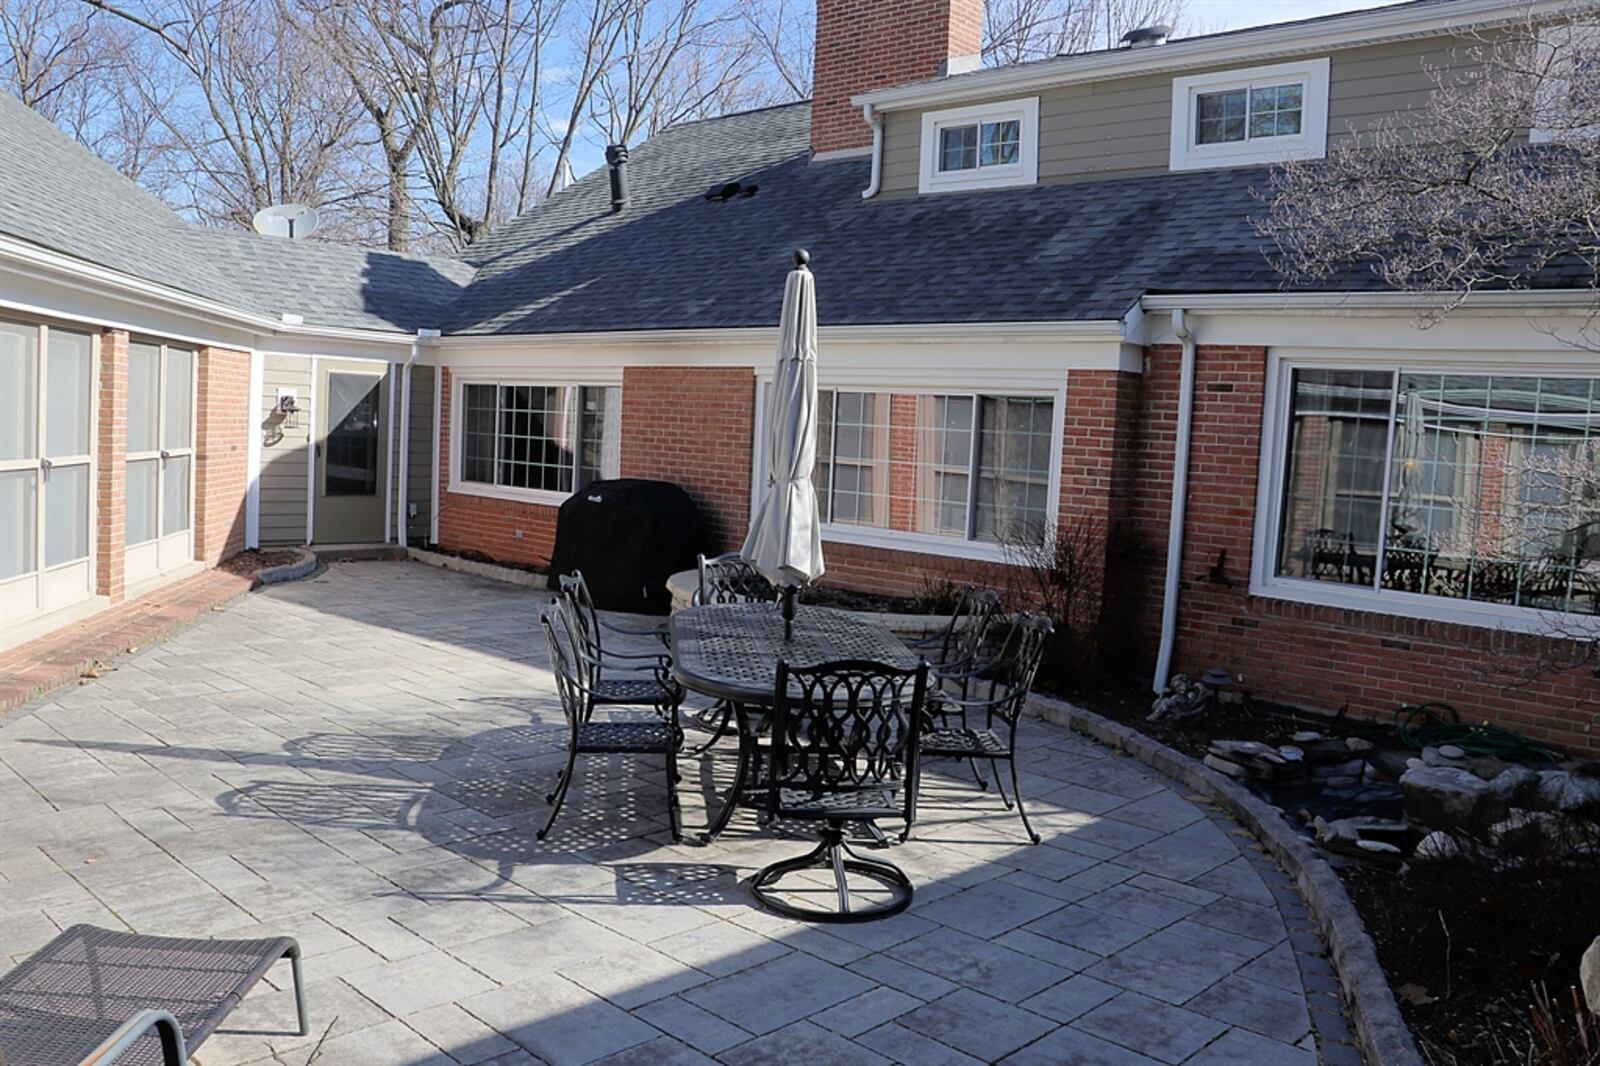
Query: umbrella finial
(801, 257)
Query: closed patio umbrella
(785, 541)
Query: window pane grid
(551, 438)
(1493, 486)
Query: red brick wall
(111, 503)
(223, 411)
(1322, 657)
(502, 530)
(694, 426)
(873, 44)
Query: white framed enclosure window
(987, 146)
(158, 517)
(47, 468)
(1462, 496)
(1249, 117)
(533, 441)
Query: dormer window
(988, 146)
(1247, 117)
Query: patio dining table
(731, 652)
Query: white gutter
(1180, 490)
(405, 440)
(1518, 301)
(1303, 37)
(930, 332)
(874, 120)
(433, 486)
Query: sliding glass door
(160, 443)
(47, 469)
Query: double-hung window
(522, 439)
(988, 146)
(1244, 117)
(1441, 494)
(936, 469)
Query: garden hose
(1431, 725)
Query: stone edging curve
(294, 571)
(1382, 1033)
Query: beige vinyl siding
(419, 455)
(284, 451)
(1123, 127)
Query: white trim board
(1310, 143)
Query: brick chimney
(873, 44)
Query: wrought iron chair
(612, 676)
(1005, 684)
(660, 736)
(731, 578)
(954, 648)
(844, 749)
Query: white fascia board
(1519, 301)
(695, 338)
(1285, 39)
(217, 322)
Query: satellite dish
(293, 221)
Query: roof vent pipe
(1147, 36)
(617, 160)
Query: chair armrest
(173, 1052)
(659, 632)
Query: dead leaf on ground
(1414, 994)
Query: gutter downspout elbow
(1180, 491)
(874, 120)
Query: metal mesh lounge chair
(95, 995)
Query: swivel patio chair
(96, 995)
(658, 735)
(1004, 685)
(844, 749)
(731, 578)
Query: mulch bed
(1464, 947)
(249, 563)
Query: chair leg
(560, 794)
(976, 776)
(300, 1007)
(1017, 791)
(1001, 785)
(673, 815)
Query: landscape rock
(1561, 790)
(1445, 797)
(1225, 766)
(1388, 762)
(1450, 751)
(1306, 736)
(1518, 784)
(1338, 830)
(1380, 847)
(1358, 744)
(1292, 753)
(1589, 976)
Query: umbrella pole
(786, 605)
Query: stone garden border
(1382, 1033)
(493, 571)
(294, 571)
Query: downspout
(874, 120)
(405, 440)
(1180, 492)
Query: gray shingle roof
(675, 260)
(59, 195)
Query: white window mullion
(972, 466)
(1388, 474)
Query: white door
(47, 469)
(160, 481)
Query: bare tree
(50, 51)
(783, 35)
(1452, 198)
(267, 124)
(1016, 31)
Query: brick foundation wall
(112, 446)
(223, 417)
(1366, 662)
(694, 426)
(873, 44)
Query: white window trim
(545, 497)
(945, 545)
(1310, 143)
(1264, 579)
(162, 454)
(1025, 171)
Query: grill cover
(628, 536)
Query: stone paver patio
(360, 761)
